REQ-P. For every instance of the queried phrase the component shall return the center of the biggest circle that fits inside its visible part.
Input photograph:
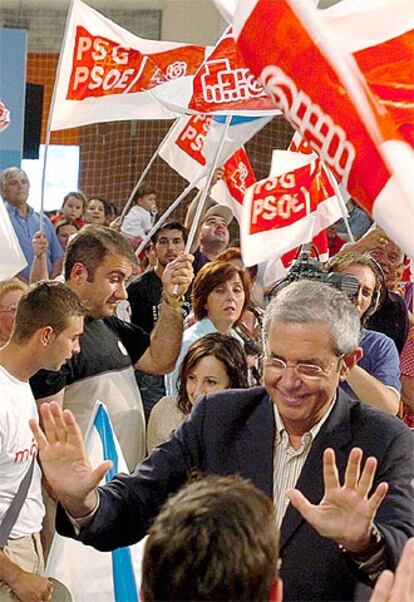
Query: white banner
(106, 73)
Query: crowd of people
(305, 391)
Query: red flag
(322, 93)
(224, 82)
(183, 150)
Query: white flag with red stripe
(323, 94)
(287, 209)
(106, 73)
(183, 150)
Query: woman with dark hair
(221, 292)
(213, 363)
(64, 230)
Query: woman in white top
(221, 292)
(213, 363)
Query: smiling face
(225, 303)
(95, 212)
(214, 230)
(206, 376)
(73, 208)
(101, 292)
(303, 402)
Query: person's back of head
(216, 539)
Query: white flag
(87, 573)
(106, 73)
(12, 260)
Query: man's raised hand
(346, 512)
(64, 461)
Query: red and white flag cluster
(183, 150)
(322, 92)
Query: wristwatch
(376, 543)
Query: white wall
(195, 21)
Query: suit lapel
(254, 446)
(335, 433)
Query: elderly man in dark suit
(299, 439)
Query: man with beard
(145, 297)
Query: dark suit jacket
(233, 432)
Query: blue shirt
(26, 228)
(380, 359)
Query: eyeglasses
(277, 366)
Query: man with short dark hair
(14, 188)
(145, 300)
(48, 324)
(216, 539)
(299, 439)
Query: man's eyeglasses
(277, 366)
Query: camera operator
(375, 379)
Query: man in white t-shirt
(48, 324)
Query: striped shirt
(288, 462)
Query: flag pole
(169, 210)
(341, 201)
(49, 119)
(147, 168)
(203, 197)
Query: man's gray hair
(8, 173)
(307, 301)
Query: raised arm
(39, 269)
(166, 337)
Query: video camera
(310, 268)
